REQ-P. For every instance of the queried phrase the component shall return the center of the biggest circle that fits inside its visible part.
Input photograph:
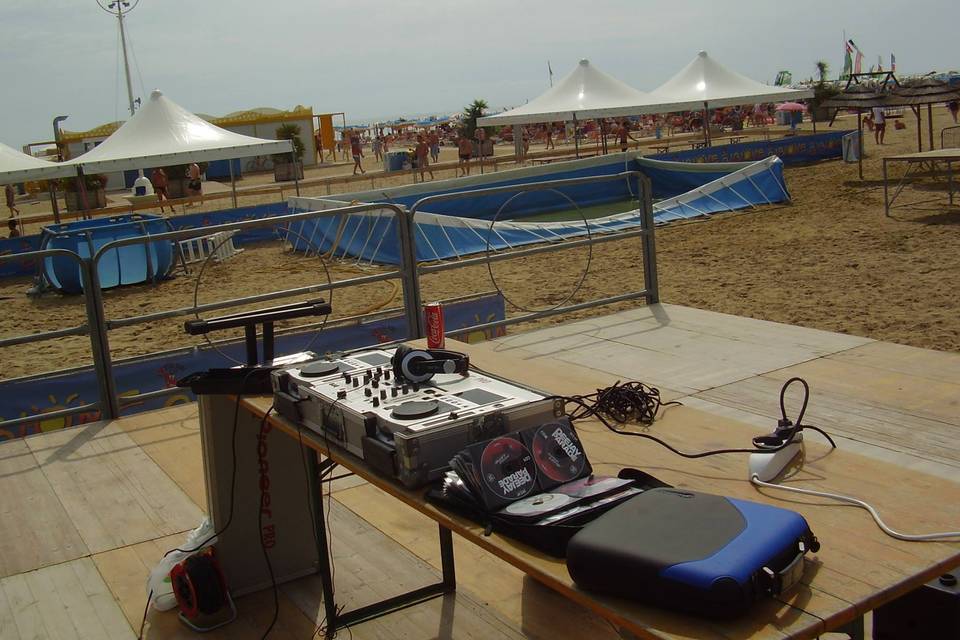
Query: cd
(591, 486)
(540, 504)
(508, 469)
(557, 452)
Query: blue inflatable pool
(129, 264)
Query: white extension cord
(863, 505)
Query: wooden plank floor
(893, 402)
(86, 512)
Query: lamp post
(56, 136)
(51, 184)
(121, 8)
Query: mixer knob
(393, 392)
(367, 392)
(375, 383)
(383, 394)
(376, 402)
(356, 382)
(341, 394)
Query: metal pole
(576, 138)
(233, 183)
(916, 111)
(82, 190)
(706, 124)
(950, 180)
(99, 342)
(126, 64)
(650, 282)
(860, 143)
(53, 201)
(296, 170)
(930, 123)
(412, 303)
(886, 201)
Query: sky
(384, 59)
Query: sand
(829, 260)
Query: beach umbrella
(859, 97)
(791, 106)
(923, 91)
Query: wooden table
(661, 148)
(857, 569)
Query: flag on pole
(893, 62)
(858, 62)
(880, 64)
(847, 61)
(550, 70)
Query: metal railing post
(650, 282)
(412, 301)
(99, 342)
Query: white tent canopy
(18, 167)
(585, 93)
(164, 133)
(706, 80)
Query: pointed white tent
(585, 93)
(706, 80)
(18, 167)
(164, 133)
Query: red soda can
(433, 313)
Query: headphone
(419, 365)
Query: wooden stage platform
(86, 512)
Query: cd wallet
(695, 552)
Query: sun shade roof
(164, 133)
(18, 167)
(706, 80)
(585, 93)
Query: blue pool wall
(131, 264)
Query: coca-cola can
(433, 313)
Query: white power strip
(767, 466)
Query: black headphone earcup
(408, 365)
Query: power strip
(767, 466)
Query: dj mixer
(409, 430)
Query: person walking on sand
(160, 182)
(434, 140)
(11, 200)
(422, 153)
(954, 107)
(377, 146)
(193, 181)
(879, 124)
(357, 153)
(12, 226)
(548, 134)
(624, 133)
(465, 150)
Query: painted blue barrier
(792, 150)
(39, 395)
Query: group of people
(161, 184)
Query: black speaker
(419, 365)
(932, 611)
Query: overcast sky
(379, 59)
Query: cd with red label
(557, 452)
(537, 505)
(508, 469)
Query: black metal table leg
(335, 620)
(323, 548)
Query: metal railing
(646, 233)
(98, 325)
(91, 328)
(954, 133)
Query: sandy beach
(829, 260)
